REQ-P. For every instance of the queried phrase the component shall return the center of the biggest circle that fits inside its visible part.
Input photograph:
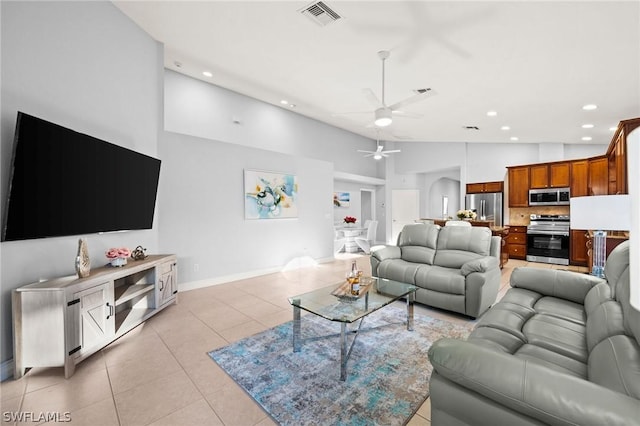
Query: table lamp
(600, 213)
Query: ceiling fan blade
(406, 114)
(411, 100)
(369, 152)
(337, 114)
(372, 98)
(390, 152)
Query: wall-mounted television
(67, 183)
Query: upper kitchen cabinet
(519, 186)
(617, 157)
(550, 175)
(598, 176)
(579, 178)
(484, 187)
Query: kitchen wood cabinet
(61, 322)
(578, 247)
(617, 157)
(519, 186)
(503, 233)
(613, 239)
(579, 178)
(517, 241)
(550, 175)
(598, 176)
(481, 187)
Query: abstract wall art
(270, 195)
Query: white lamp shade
(601, 212)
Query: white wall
(86, 66)
(203, 221)
(196, 108)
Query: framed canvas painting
(341, 199)
(270, 195)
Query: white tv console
(62, 321)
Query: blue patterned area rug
(387, 374)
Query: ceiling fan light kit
(383, 117)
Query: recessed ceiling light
(587, 126)
(586, 138)
(505, 128)
(292, 105)
(207, 73)
(613, 129)
(589, 107)
(284, 102)
(513, 138)
(492, 113)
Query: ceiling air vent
(471, 127)
(320, 13)
(421, 91)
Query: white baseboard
(194, 285)
(6, 370)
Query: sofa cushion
(437, 278)
(418, 242)
(598, 294)
(605, 321)
(615, 364)
(557, 335)
(458, 245)
(553, 360)
(561, 308)
(398, 270)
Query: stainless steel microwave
(549, 197)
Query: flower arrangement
(350, 219)
(118, 256)
(466, 214)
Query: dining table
(350, 233)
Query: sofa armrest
(388, 252)
(566, 285)
(531, 389)
(482, 264)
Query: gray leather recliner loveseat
(561, 348)
(455, 268)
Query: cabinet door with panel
(92, 319)
(578, 248)
(559, 175)
(579, 178)
(598, 176)
(167, 282)
(519, 186)
(475, 188)
(539, 175)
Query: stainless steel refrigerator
(488, 206)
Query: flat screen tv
(67, 183)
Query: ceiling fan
(378, 153)
(384, 113)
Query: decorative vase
(119, 261)
(83, 263)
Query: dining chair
(457, 223)
(367, 241)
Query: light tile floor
(160, 373)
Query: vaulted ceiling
(534, 63)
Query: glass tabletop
(325, 303)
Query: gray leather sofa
(455, 268)
(560, 348)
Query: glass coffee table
(335, 305)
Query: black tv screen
(67, 183)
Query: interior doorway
(405, 209)
(367, 204)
